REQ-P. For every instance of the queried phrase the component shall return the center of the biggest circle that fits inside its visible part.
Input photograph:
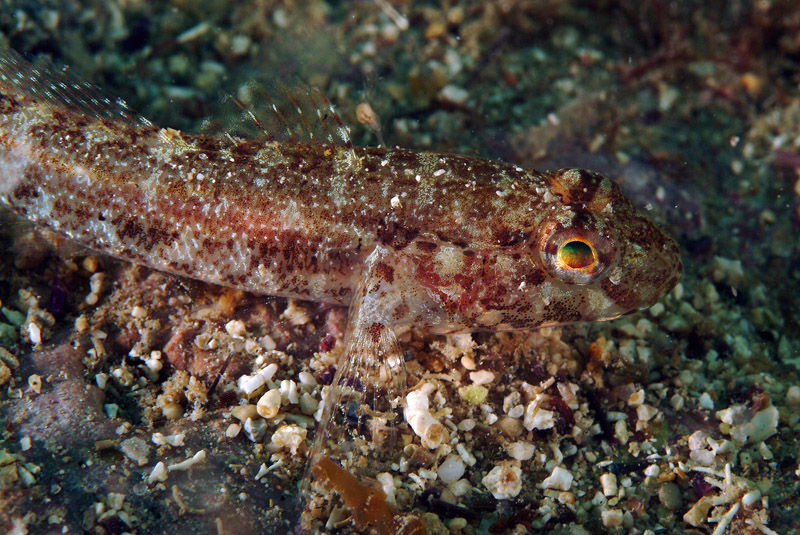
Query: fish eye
(577, 256)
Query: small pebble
(612, 518)
(255, 429)
(669, 494)
(243, 412)
(34, 333)
(637, 398)
(609, 483)
(793, 396)
(35, 383)
(91, 264)
(233, 430)
(454, 95)
(451, 469)
(652, 471)
(111, 410)
(13, 316)
(5, 373)
(646, 412)
(235, 328)
(240, 45)
(521, 451)
(751, 498)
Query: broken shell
(270, 404)
(236, 328)
(609, 483)
(560, 479)
(504, 480)
(422, 422)
(431, 432)
(251, 383)
(159, 473)
(290, 437)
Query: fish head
(603, 257)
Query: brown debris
(367, 505)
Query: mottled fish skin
(450, 243)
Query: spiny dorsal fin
(60, 89)
(293, 114)
(298, 114)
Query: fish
(447, 243)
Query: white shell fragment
(175, 440)
(747, 427)
(537, 417)
(609, 483)
(387, 485)
(270, 404)
(481, 377)
(250, 383)
(451, 469)
(236, 328)
(268, 372)
(288, 437)
(751, 498)
(34, 333)
(159, 473)
(504, 480)
(417, 413)
(188, 463)
(262, 471)
(289, 393)
(521, 451)
(560, 479)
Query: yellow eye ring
(577, 254)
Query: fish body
(455, 243)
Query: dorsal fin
(60, 89)
(297, 114)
